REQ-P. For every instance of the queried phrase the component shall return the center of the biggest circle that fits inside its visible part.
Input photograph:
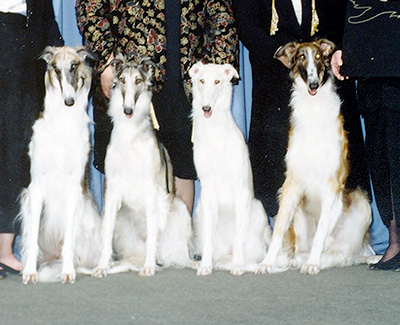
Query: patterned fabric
(137, 29)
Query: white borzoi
(321, 223)
(230, 225)
(143, 219)
(60, 224)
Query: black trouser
(20, 101)
(379, 100)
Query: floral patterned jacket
(137, 29)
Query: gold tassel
(274, 19)
(314, 19)
(153, 117)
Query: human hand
(107, 77)
(336, 63)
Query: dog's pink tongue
(129, 115)
(208, 114)
(312, 92)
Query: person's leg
(6, 252)
(388, 191)
(391, 94)
(269, 132)
(184, 189)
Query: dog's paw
(237, 270)
(204, 270)
(293, 263)
(263, 269)
(309, 269)
(68, 278)
(194, 265)
(100, 272)
(147, 271)
(29, 278)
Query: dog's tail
(173, 250)
(50, 271)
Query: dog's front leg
(68, 274)
(111, 207)
(291, 194)
(154, 213)
(243, 214)
(31, 210)
(331, 209)
(209, 217)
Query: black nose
(206, 108)
(69, 102)
(314, 85)
(128, 110)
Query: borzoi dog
(321, 222)
(60, 224)
(143, 220)
(231, 230)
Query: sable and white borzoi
(323, 223)
(143, 219)
(230, 225)
(60, 224)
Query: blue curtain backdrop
(241, 108)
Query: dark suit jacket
(271, 85)
(253, 19)
(42, 30)
(371, 44)
(42, 27)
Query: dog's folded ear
(195, 69)
(147, 66)
(327, 47)
(86, 55)
(48, 53)
(118, 63)
(230, 72)
(286, 50)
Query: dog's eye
(138, 81)
(74, 66)
(202, 81)
(122, 79)
(302, 57)
(217, 81)
(317, 56)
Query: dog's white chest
(219, 150)
(132, 163)
(316, 140)
(60, 144)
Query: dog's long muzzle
(128, 111)
(207, 111)
(69, 101)
(313, 88)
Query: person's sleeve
(221, 37)
(253, 26)
(53, 36)
(334, 21)
(95, 23)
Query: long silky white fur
(143, 222)
(231, 230)
(60, 223)
(329, 225)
